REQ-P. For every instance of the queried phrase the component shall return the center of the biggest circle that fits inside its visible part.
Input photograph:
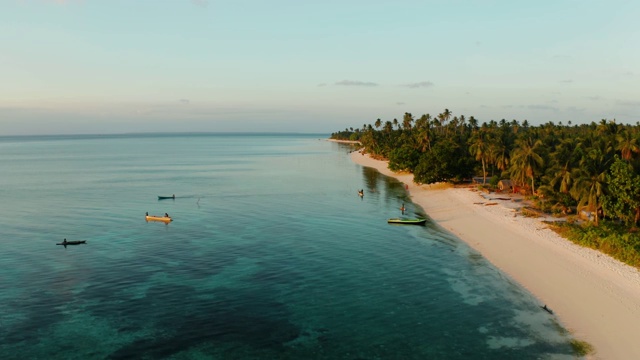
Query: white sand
(594, 296)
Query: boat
(73, 242)
(407, 221)
(166, 197)
(166, 219)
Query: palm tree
(526, 160)
(499, 155)
(388, 127)
(627, 144)
(421, 122)
(564, 160)
(479, 148)
(590, 180)
(378, 123)
(424, 134)
(473, 123)
(446, 115)
(437, 126)
(407, 120)
(463, 123)
(514, 126)
(607, 127)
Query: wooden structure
(505, 185)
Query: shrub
(581, 348)
(612, 239)
(494, 181)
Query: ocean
(271, 254)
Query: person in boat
(173, 196)
(147, 213)
(64, 242)
(402, 208)
(166, 215)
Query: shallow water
(271, 254)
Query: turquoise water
(271, 255)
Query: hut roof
(505, 184)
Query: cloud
(356, 83)
(184, 101)
(593, 98)
(322, 84)
(400, 103)
(575, 109)
(422, 84)
(567, 81)
(629, 103)
(200, 3)
(542, 107)
(63, 2)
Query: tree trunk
(533, 189)
(484, 173)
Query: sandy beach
(594, 296)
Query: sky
(312, 66)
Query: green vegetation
(616, 240)
(589, 169)
(581, 348)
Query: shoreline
(594, 296)
(344, 141)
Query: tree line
(593, 167)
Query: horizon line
(168, 133)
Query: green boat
(407, 221)
(166, 197)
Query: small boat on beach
(166, 219)
(72, 242)
(167, 197)
(407, 221)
